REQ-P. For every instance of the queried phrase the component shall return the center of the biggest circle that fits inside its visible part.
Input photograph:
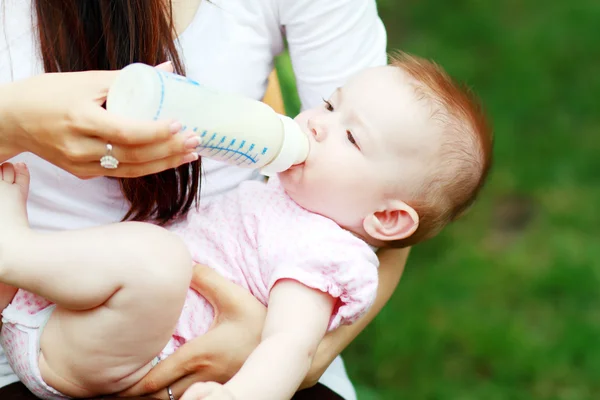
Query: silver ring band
(108, 161)
(170, 393)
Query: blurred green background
(505, 304)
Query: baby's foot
(14, 188)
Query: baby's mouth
(298, 166)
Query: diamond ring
(108, 161)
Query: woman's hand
(59, 117)
(220, 353)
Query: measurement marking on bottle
(220, 149)
(221, 146)
(248, 157)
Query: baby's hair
(465, 156)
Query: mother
(55, 123)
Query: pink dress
(254, 236)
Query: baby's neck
(357, 231)
(362, 235)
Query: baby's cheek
(318, 184)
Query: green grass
(504, 304)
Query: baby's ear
(397, 221)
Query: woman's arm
(329, 41)
(392, 263)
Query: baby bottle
(231, 128)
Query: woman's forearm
(392, 262)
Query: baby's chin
(292, 178)
(295, 186)
(290, 181)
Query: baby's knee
(175, 259)
(174, 265)
(164, 259)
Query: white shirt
(229, 45)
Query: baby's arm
(297, 319)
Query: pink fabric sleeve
(343, 266)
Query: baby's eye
(351, 139)
(328, 105)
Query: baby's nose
(318, 129)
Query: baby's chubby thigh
(104, 350)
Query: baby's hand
(207, 391)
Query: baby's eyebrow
(353, 116)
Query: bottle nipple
(294, 149)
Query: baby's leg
(119, 291)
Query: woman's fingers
(211, 357)
(159, 377)
(137, 170)
(93, 120)
(167, 66)
(94, 169)
(96, 121)
(179, 388)
(183, 143)
(178, 370)
(88, 149)
(226, 297)
(100, 81)
(116, 129)
(213, 287)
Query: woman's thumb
(103, 78)
(227, 298)
(106, 78)
(167, 66)
(212, 286)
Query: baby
(395, 155)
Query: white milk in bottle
(233, 129)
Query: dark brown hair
(78, 35)
(465, 158)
